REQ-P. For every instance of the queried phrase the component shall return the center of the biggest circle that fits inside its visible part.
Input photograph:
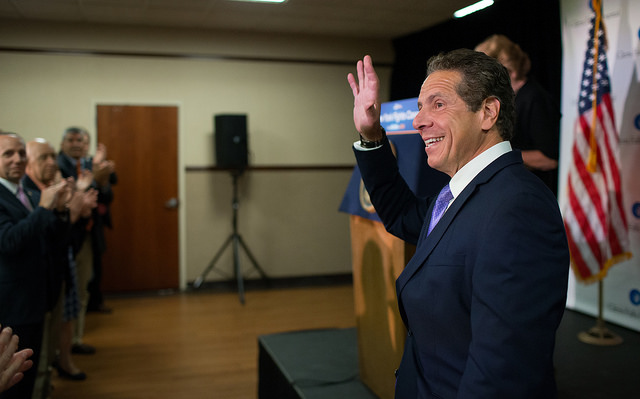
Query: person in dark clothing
(106, 178)
(537, 131)
(31, 224)
(484, 293)
(70, 163)
(41, 172)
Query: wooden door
(142, 247)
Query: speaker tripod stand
(236, 239)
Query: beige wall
(293, 90)
(288, 220)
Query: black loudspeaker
(231, 141)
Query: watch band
(364, 143)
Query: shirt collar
(11, 186)
(468, 172)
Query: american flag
(594, 216)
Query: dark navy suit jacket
(24, 258)
(57, 248)
(105, 197)
(485, 292)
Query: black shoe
(62, 373)
(83, 349)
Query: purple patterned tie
(441, 205)
(23, 198)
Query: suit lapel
(33, 196)
(428, 243)
(32, 190)
(12, 201)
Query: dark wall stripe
(217, 57)
(275, 168)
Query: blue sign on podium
(397, 119)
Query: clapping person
(105, 177)
(71, 162)
(41, 172)
(29, 223)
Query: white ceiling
(379, 19)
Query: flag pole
(599, 334)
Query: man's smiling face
(453, 135)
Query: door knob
(172, 203)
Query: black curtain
(533, 24)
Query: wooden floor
(195, 345)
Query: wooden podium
(378, 259)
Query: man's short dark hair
(72, 130)
(482, 77)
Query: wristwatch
(364, 143)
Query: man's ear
(490, 112)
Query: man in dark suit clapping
(28, 222)
(70, 163)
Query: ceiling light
(263, 1)
(472, 8)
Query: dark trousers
(96, 299)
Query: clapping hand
(82, 203)
(57, 195)
(101, 154)
(13, 364)
(84, 180)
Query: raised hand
(89, 202)
(81, 204)
(101, 154)
(58, 178)
(57, 195)
(366, 104)
(64, 194)
(12, 364)
(102, 171)
(84, 180)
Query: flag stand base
(599, 334)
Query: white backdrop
(621, 300)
